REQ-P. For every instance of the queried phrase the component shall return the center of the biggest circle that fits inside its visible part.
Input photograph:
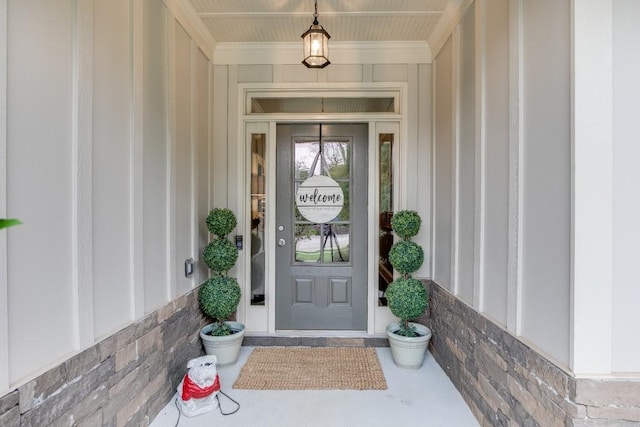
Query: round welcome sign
(319, 199)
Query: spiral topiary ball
(221, 221)
(406, 224)
(220, 255)
(407, 298)
(219, 297)
(406, 257)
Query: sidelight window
(385, 207)
(258, 195)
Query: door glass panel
(326, 243)
(385, 240)
(258, 196)
(344, 214)
(322, 243)
(338, 166)
(308, 243)
(306, 158)
(335, 243)
(336, 159)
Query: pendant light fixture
(316, 44)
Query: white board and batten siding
(555, 202)
(502, 227)
(99, 110)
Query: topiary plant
(220, 255)
(407, 297)
(219, 296)
(406, 256)
(221, 222)
(406, 224)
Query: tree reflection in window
(328, 242)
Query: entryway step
(269, 341)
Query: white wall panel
(496, 160)
(466, 160)
(626, 193)
(298, 73)
(443, 167)
(235, 175)
(220, 135)
(345, 73)
(408, 194)
(390, 72)
(423, 165)
(547, 177)
(184, 158)
(39, 165)
(203, 177)
(155, 230)
(255, 73)
(112, 117)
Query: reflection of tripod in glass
(327, 230)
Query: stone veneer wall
(506, 383)
(124, 380)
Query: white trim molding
(82, 129)
(516, 160)
(187, 17)
(454, 272)
(136, 166)
(480, 155)
(172, 285)
(451, 17)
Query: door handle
(281, 242)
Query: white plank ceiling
(249, 21)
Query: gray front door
(321, 268)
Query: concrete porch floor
(423, 397)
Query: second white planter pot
(226, 348)
(408, 352)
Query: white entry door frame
(261, 319)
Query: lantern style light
(316, 44)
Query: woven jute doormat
(316, 368)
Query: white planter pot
(226, 348)
(408, 352)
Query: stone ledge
(606, 392)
